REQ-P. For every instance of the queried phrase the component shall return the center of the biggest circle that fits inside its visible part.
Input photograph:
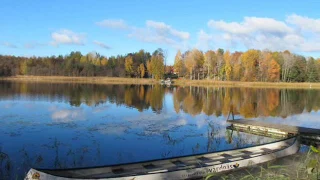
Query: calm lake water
(47, 125)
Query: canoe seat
(118, 171)
(149, 166)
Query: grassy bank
(304, 165)
(179, 82)
(93, 80)
(206, 83)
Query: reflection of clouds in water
(148, 117)
(110, 129)
(310, 120)
(29, 105)
(67, 115)
(181, 122)
(203, 120)
(99, 109)
(144, 123)
(8, 105)
(153, 124)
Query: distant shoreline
(276, 85)
(73, 79)
(180, 82)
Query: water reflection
(49, 125)
(247, 102)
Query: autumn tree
(273, 71)
(236, 66)
(128, 65)
(249, 61)
(263, 65)
(199, 60)
(104, 61)
(228, 67)
(288, 63)
(157, 64)
(220, 64)
(142, 70)
(24, 67)
(149, 68)
(190, 63)
(318, 67)
(178, 63)
(209, 61)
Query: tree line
(138, 64)
(252, 65)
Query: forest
(252, 65)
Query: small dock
(308, 135)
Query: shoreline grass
(73, 79)
(276, 85)
(178, 82)
(302, 165)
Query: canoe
(186, 167)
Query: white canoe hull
(187, 167)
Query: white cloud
(160, 33)
(113, 23)
(305, 23)
(9, 45)
(67, 37)
(296, 33)
(33, 45)
(252, 25)
(101, 44)
(163, 29)
(152, 32)
(204, 40)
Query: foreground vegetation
(250, 66)
(298, 166)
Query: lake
(71, 125)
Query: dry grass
(93, 80)
(213, 83)
(287, 168)
(180, 82)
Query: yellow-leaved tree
(142, 70)
(190, 63)
(227, 67)
(249, 61)
(273, 71)
(129, 65)
(178, 63)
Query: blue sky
(44, 28)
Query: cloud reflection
(310, 120)
(67, 115)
